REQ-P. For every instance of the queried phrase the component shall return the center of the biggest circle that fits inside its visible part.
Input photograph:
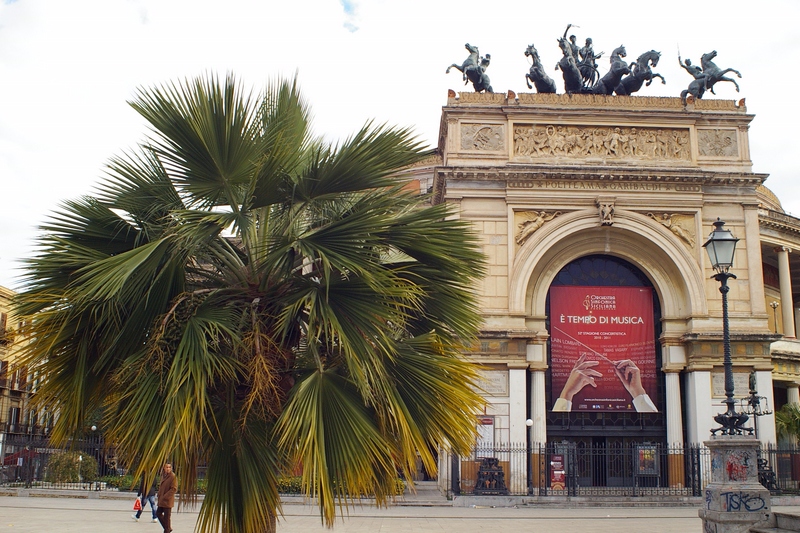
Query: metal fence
(634, 470)
(26, 461)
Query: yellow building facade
(589, 199)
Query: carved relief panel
(528, 222)
(717, 143)
(483, 137)
(533, 141)
(682, 226)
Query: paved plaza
(72, 515)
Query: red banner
(603, 355)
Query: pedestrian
(146, 496)
(166, 497)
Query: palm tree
(787, 421)
(240, 294)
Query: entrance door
(607, 461)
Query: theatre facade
(602, 323)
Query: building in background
(602, 323)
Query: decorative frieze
(626, 102)
(717, 143)
(481, 98)
(483, 137)
(534, 141)
(600, 100)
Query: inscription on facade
(494, 382)
(483, 137)
(533, 141)
(741, 384)
(717, 143)
(602, 185)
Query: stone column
(734, 500)
(766, 424)
(758, 303)
(516, 471)
(699, 411)
(785, 280)
(674, 418)
(793, 393)
(538, 430)
(674, 430)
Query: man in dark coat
(166, 497)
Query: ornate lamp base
(735, 501)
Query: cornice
(781, 222)
(522, 101)
(553, 172)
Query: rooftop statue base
(734, 500)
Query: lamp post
(774, 306)
(529, 454)
(721, 246)
(734, 457)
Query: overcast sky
(68, 68)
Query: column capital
(779, 249)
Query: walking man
(166, 497)
(147, 496)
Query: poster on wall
(602, 346)
(484, 447)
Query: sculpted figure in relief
(535, 220)
(669, 222)
(606, 213)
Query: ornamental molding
(594, 100)
(689, 180)
(780, 222)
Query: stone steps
(783, 523)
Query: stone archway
(672, 268)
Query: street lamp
(721, 245)
(529, 452)
(774, 306)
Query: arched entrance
(605, 388)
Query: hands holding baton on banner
(583, 374)
(630, 376)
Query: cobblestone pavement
(72, 515)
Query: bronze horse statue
(537, 75)
(640, 73)
(473, 69)
(573, 81)
(710, 75)
(619, 68)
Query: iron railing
(631, 470)
(26, 459)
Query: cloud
(350, 11)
